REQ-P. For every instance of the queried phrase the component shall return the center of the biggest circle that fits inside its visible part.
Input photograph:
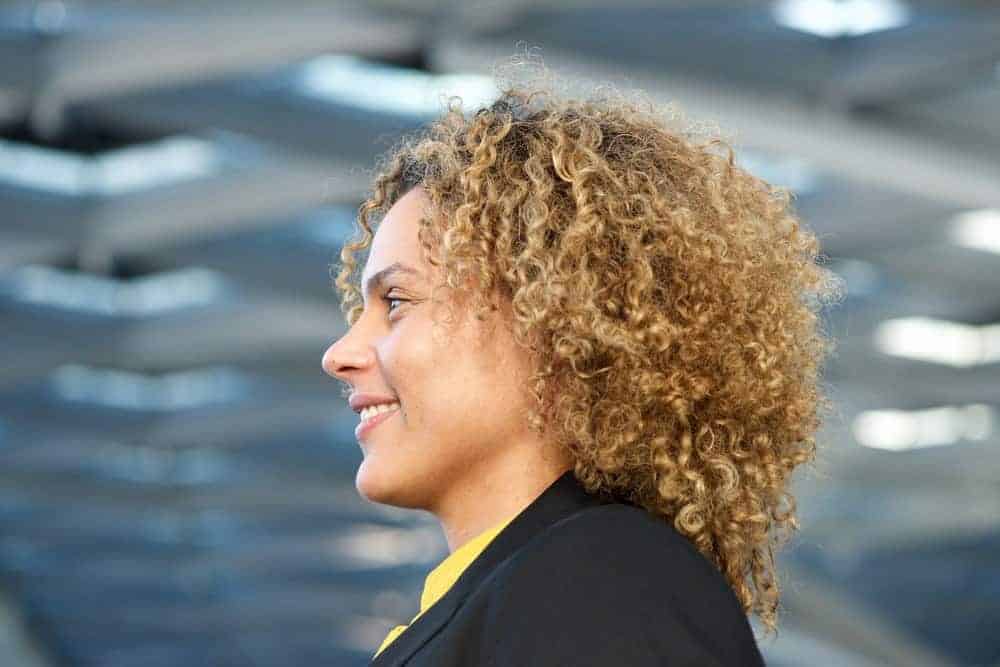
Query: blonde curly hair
(669, 298)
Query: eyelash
(388, 298)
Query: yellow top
(447, 573)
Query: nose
(345, 356)
(338, 359)
(329, 362)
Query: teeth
(373, 410)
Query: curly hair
(668, 297)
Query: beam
(834, 139)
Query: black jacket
(577, 580)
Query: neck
(487, 498)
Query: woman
(598, 368)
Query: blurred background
(176, 178)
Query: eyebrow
(379, 277)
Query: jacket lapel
(562, 498)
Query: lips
(362, 400)
(362, 430)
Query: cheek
(443, 400)
(442, 378)
(410, 375)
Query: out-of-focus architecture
(176, 178)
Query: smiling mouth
(374, 411)
(366, 425)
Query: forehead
(396, 237)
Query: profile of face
(462, 402)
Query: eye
(388, 299)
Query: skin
(459, 447)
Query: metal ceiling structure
(177, 474)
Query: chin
(376, 486)
(367, 482)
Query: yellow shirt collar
(444, 576)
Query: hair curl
(669, 298)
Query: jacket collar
(564, 497)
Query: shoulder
(616, 580)
(625, 549)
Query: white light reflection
(840, 18)
(354, 81)
(381, 546)
(137, 297)
(901, 430)
(165, 162)
(127, 390)
(979, 230)
(939, 341)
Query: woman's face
(461, 399)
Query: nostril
(327, 363)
